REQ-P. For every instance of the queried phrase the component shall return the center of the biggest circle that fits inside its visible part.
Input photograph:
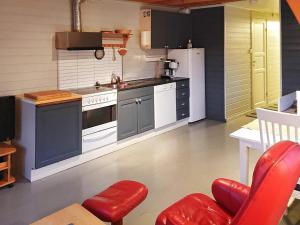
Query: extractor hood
(79, 40)
(76, 39)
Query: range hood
(76, 39)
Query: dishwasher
(165, 104)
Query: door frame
(255, 17)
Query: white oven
(99, 124)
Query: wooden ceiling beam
(184, 3)
(295, 6)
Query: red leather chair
(274, 179)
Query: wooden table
(249, 139)
(74, 214)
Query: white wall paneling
(237, 61)
(273, 59)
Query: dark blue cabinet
(135, 111)
(170, 30)
(58, 133)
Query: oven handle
(97, 106)
(98, 138)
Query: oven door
(98, 117)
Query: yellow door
(259, 69)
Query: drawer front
(135, 93)
(182, 103)
(183, 113)
(183, 93)
(183, 84)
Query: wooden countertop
(52, 97)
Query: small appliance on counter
(170, 68)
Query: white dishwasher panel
(165, 104)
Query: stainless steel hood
(79, 40)
(76, 39)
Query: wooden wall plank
(290, 30)
(208, 33)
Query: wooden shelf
(11, 180)
(5, 165)
(6, 149)
(114, 37)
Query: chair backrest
(274, 179)
(277, 126)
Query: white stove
(99, 124)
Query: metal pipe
(76, 15)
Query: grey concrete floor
(172, 165)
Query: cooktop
(91, 90)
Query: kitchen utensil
(99, 54)
(114, 54)
(122, 51)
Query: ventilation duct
(76, 39)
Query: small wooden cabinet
(6, 152)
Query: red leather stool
(114, 203)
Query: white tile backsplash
(78, 69)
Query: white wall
(28, 58)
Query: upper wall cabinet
(161, 29)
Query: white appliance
(192, 65)
(99, 125)
(165, 104)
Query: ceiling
(184, 3)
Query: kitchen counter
(146, 83)
(52, 97)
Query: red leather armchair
(274, 179)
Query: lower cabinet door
(127, 118)
(58, 133)
(146, 114)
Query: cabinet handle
(182, 104)
(140, 101)
(182, 114)
(182, 85)
(183, 94)
(137, 101)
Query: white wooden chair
(277, 126)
